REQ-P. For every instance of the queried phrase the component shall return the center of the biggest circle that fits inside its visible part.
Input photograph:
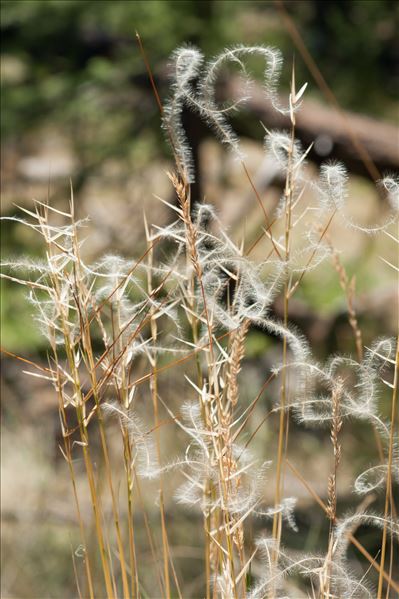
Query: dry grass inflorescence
(192, 298)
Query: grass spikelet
(237, 353)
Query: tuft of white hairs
(193, 86)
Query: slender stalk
(134, 577)
(87, 346)
(67, 453)
(282, 437)
(80, 411)
(123, 395)
(388, 491)
(227, 566)
(336, 425)
(154, 394)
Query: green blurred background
(76, 104)
(76, 100)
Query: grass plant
(113, 327)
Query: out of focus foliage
(74, 66)
(77, 60)
(356, 47)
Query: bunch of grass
(103, 320)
